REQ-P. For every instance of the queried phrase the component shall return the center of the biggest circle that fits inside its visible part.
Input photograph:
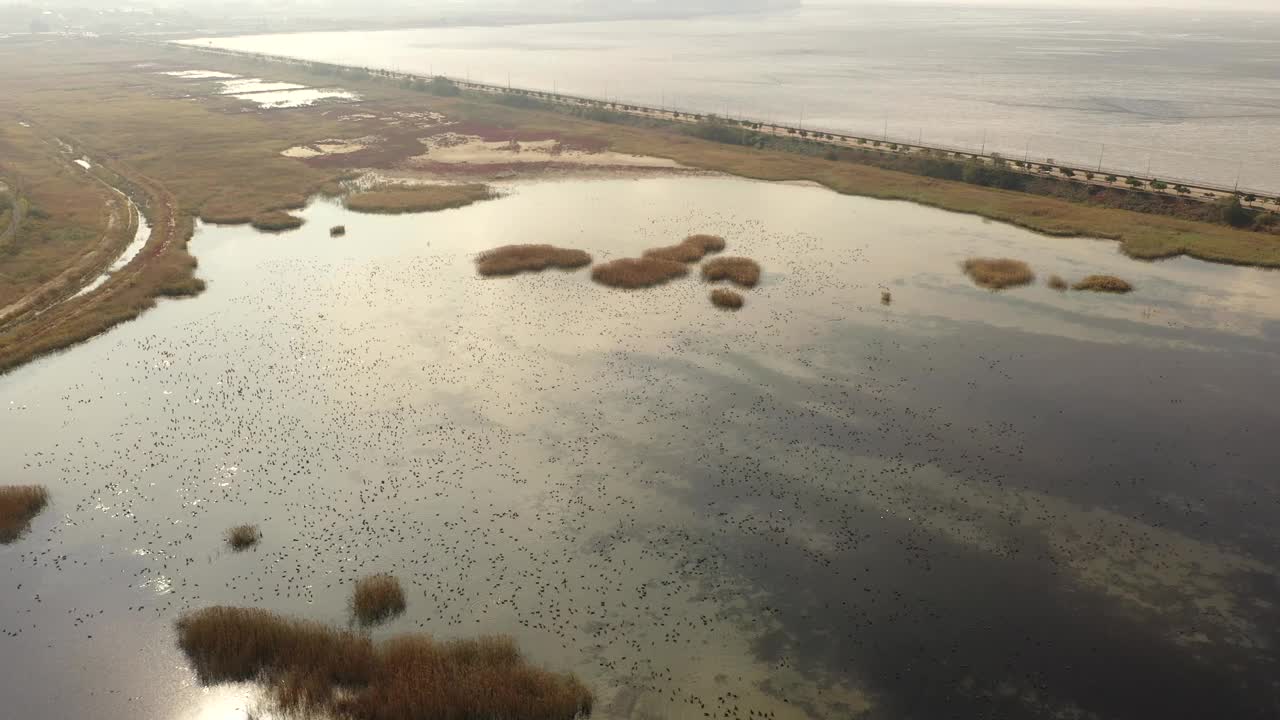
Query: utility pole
(984, 143)
(886, 130)
(1026, 155)
(1100, 152)
(801, 116)
(1239, 169)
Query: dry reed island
(183, 152)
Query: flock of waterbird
(772, 521)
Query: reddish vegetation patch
(632, 273)
(692, 249)
(309, 669)
(739, 270)
(727, 299)
(512, 259)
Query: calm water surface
(964, 504)
(1178, 93)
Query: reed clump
(243, 537)
(337, 231)
(377, 598)
(741, 271)
(422, 198)
(1104, 283)
(691, 249)
(632, 273)
(308, 668)
(513, 259)
(1057, 283)
(727, 299)
(18, 505)
(276, 221)
(998, 273)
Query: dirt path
(28, 322)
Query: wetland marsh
(1024, 504)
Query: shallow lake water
(1027, 504)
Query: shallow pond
(1024, 504)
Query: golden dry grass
(377, 598)
(242, 537)
(512, 259)
(1104, 283)
(633, 273)
(1057, 283)
(998, 273)
(691, 249)
(421, 198)
(276, 221)
(741, 271)
(311, 669)
(18, 505)
(727, 299)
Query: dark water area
(965, 504)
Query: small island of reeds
(393, 200)
(1104, 283)
(691, 249)
(741, 271)
(377, 598)
(243, 537)
(513, 259)
(727, 299)
(18, 505)
(310, 669)
(633, 273)
(998, 273)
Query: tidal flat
(1027, 504)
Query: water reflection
(1015, 505)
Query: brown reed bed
(308, 668)
(18, 505)
(513, 259)
(727, 299)
(998, 273)
(394, 200)
(632, 273)
(1104, 283)
(276, 221)
(741, 271)
(243, 537)
(377, 598)
(1057, 283)
(691, 249)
